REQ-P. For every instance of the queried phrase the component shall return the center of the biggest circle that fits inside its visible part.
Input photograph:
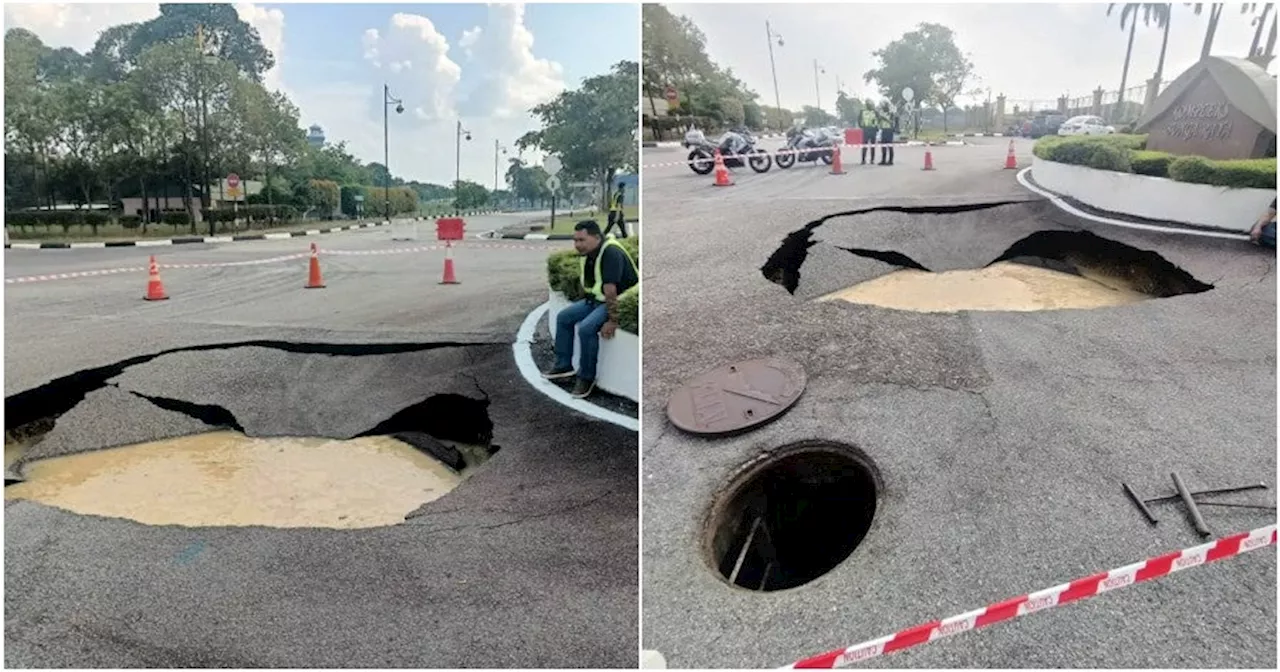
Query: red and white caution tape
(1045, 599)
(844, 148)
(258, 262)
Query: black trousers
(868, 140)
(886, 147)
(617, 218)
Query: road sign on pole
(908, 93)
(233, 181)
(551, 164)
(553, 184)
(672, 96)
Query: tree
(1256, 52)
(470, 196)
(1129, 18)
(925, 59)
(848, 109)
(231, 39)
(674, 53)
(814, 117)
(1215, 13)
(593, 129)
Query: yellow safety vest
(868, 119)
(616, 205)
(597, 290)
(886, 122)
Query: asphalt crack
(1076, 252)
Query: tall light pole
(387, 102)
(816, 87)
(457, 183)
(497, 147)
(777, 100)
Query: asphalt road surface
(1001, 438)
(529, 563)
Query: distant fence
(1105, 104)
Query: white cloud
(1030, 52)
(512, 78)
(270, 26)
(414, 58)
(74, 25)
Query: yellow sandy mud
(1003, 286)
(228, 479)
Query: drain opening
(792, 516)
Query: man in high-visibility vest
(867, 122)
(615, 211)
(605, 271)
(888, 122)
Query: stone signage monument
(1220, 108)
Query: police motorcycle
(737, 147)
(806, 145)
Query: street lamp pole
(777, 100)
(387, 102)
(457, 158)
(496, 148)
(816, 87)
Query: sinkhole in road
(227, 477)
(791, 515)
(1046, 270)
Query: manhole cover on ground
(736, 397)
(791, 516)
(228, 479)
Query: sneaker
(583, 388)
(558, 372)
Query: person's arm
(611, 275)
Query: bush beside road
(1129, 154)
(562, 276)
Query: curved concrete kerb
(529, 370)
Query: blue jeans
(1268, 237)
(584, 317)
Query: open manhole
(792, 515)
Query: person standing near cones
(615, 212)
(606, 271)
(888, 123)
(867, 122)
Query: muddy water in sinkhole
(1000, 286)
(228, 479)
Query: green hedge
(562, 276)
(1128, 154)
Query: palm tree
(1256, 54)
(1161, 14)
(1129, 19)
(1215, 12)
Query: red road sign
(233, 180)
(670, 94)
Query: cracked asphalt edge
(529, 371)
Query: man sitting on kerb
(1264, 230)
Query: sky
(1029, 52)
(483, 64)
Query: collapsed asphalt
(530, 562)
(1001, 437)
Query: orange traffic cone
(928, 159)
(1010, 161)
(155, 288)
(314, 281)
(722, 173)
(449, 277)
(837, 166)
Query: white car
(1085, 125)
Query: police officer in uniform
(888, 122)
(615, 212)
(867, 122)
